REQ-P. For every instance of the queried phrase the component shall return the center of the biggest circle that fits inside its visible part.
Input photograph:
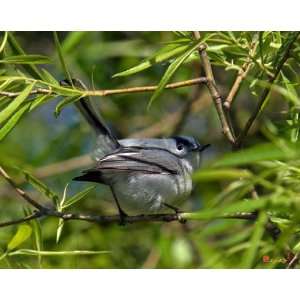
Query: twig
(211, 84)
(241, 75)
(66, 216)
(293, 261)
(35, 215)
(130, 90)
(225, 119)
(21, 192)
(265, 93)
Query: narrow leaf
(12, 122)
(39, 101)
(171, 71)
(26, 59)
(48, 77)
(3, 43)
(72, 40)
(61, 56)
(41, 187)
(63, 103)
(162, 55)
(205, 175)
(56, 253)
(60, 209)
(23, 233)
(267, 151)
(13, 106)
(17, 49)
(258, 231)
(71, 201)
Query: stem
(129, 90)
(214, 92)
(264, 96)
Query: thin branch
(51, 212)
(23, 194)
(293, 261)
(35, 215)
(264, 96)
(211, 84)
(241, 75)
(130, 90)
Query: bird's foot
(123, 217)
(177, 212)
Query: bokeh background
(43, 145)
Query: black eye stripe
(183, 142)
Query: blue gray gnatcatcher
(145, 175)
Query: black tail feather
(90, 177)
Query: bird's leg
(177, 211)
(122, 213)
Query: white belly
(146, 193)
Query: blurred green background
(40, 139)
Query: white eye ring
(180, 147)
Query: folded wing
(132, 160)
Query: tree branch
(266, 91)
(211, 84)
(35, 215)
(25, 196)
(66, 216)
(241, 75)
(129, 90)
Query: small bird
(145, 175)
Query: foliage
(39, 126)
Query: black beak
(202, 148)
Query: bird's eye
(179, 147)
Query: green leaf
(31, 252)
(4, 40)
(63, 103)
(280, 57)
(296, 248)
(41, 187)
(267, 151)
(13, 106)
(217, 212)
(290, 93)
(65, 91)
(61, 57)
(23, 233)
(206, 175)
(17, 50)
(258, 231)
(48, 77)
(72, 40)
(12, 122)
(71, 201)
(26, 59)
(184, 34)
(162, 55)
(60, 209)
(36, 225)
(171, 71)
(39, 101)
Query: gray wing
(132, 160)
